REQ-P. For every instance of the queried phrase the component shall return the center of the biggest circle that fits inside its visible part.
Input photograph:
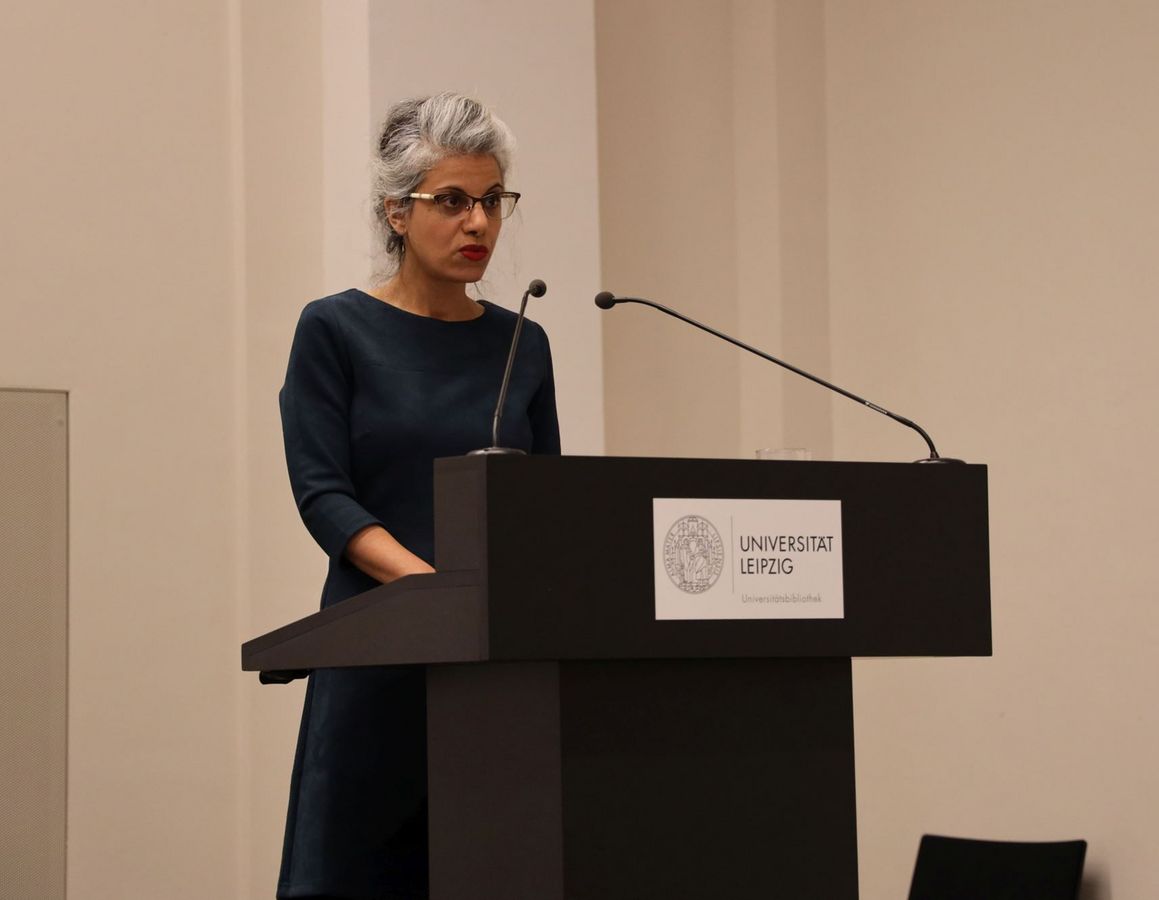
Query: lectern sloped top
(552, 558)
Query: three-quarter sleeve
(542, 411)
(315, 405)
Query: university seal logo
(693, 554)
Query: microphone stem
(507, 371)
(784, 365)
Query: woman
(379, 384)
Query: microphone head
(605, 299)
(537, 288)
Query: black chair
(962, 869)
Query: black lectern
(580, 748)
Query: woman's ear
(396, 215)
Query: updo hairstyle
(419, 134)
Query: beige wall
(959, 212)
(118, 262)
(282, 168)
(712, 187)
(33, 642)
(667, 226)
(993, 210)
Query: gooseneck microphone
(606, 300)
(536, 289)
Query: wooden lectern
(579, 749)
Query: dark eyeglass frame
(492, 212)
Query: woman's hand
(374, 550)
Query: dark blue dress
(372, 396)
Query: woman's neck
(445, 300)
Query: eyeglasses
(455, 203)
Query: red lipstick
(474, 252)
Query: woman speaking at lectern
(379, 384)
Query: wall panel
(33, 642)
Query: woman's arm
(542, 412)
(374, 551)
(315, 405)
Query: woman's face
(454, 248)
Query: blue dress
(372, 396)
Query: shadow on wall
(1095, 886)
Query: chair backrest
(950, 868)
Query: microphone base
(941, 459)
(498, 451)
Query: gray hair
(419, 134)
